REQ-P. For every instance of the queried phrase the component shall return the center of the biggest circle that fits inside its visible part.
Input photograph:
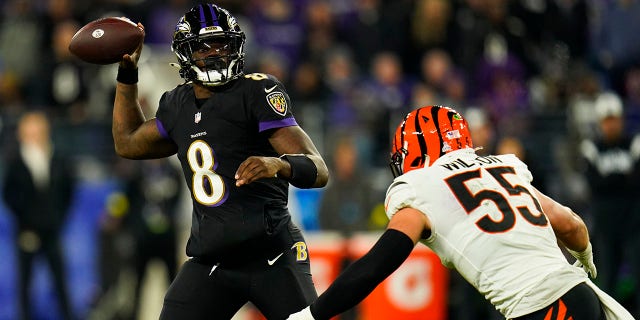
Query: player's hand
(304, 314)
(585, 260)
(130, 61)
(255, 168)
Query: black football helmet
(203, 27)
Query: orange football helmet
(425, 135)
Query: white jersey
(488, 224)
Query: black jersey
(213, 138)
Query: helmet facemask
(397, 161)
(398, 158)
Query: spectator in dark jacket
(38, 190)
(612, 168)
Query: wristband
(127, 75)
(581, 255)
(585, 260)
(303, 170)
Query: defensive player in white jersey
(482, 217)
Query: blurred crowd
(556, 82)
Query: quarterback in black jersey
(240, 147)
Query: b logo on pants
(301, 251)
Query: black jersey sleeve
(168, 109)
(270, 104)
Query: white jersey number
(206, 185)
(472, 201)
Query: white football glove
(585, 260)
(304, 314)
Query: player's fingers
(247, 174)
(128, 61)
(249, 164)
(135, 56)
(243, 174)
(241, 169)
(252, 169)
(257, 170)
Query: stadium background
(525, 69)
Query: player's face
(211, 48)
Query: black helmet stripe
(450, 117)
(421, 140)
(434, 114)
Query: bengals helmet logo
(277, 102)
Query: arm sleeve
(361, 277)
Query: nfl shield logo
(453, 134)
(198, 117)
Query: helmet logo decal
(453, 134)
(183, 26)
(97, 33)
(232, 23)
(446, 147)
(277, 102)
(210, 29)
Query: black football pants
(580, 303)
(201, 291)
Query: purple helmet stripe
(215, 17)
(203, 21)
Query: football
(105, 40)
